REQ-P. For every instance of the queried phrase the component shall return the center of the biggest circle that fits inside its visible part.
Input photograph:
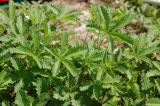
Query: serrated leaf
(148, 50)
(105, 17)
(18, 86)
(152, 73)
(94, 25)
(28, 52)
(35, 40)
(156, 64)
(55, 69)
(22, 99)
(41, 100)
(122, 22)
(71, 68)
(153, 102)
(4, 82)
(38, 86)
(122, 37)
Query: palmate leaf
(69, 65)
(28, 52)
(153, 102)
(122, 22)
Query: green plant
(37, 69)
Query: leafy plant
(40, 66)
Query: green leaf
(4, 81)
(5, 103)
(122, 22)
(11, 10)
(20, 25)
(53, 53)
(85, 86)
(64, 41)
(35, 40)
(94, 25)
(97, 91)
(135, 89)
(14, 64)
(22, 99)
(18, 86)
(71, 68)
(152, 73)
(153, 102)
(157, 85)
(105, 17)
(55, 69)
(156, 64)
(122, 37)
(28, 52)
(99, 74)
(38, 86)
(41, 100)
(148, 50)
(74, 52)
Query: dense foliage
(40, 65)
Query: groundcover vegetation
(40, 65)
